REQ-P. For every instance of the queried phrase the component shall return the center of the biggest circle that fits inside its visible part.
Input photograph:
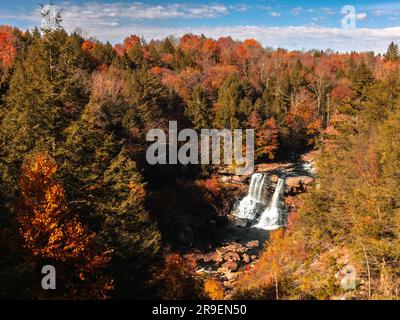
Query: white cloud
(361, 16)
(328, 11)
(294, 38)
(262, 7)
(383, 8)
(115, 21)
(241, 7)
(297, 10)
(92, 12)
(275, 14)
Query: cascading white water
(247, 206)
(308, 167)
(270, 218)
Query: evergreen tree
(167, 46)
(103, 53)
(148, 97)
(392, 53)
(361, 78)
(229, 113)
(47, 92)
(104, 186)
(154, 55)
(199, 109)
(135, 55)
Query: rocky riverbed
(240, 245)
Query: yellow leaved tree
(50, 232)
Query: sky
(293, 24)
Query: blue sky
(290, 24)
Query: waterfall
(247, 206)
(270, 218)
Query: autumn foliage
(179, 278)
(7, 47)
(113, 225)
(49, 230)
(213, 289)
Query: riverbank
(239, 245)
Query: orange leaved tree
(53, 235)
(213, 289)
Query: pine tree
(199, 109)
(227, 113)
(148, 97)
(392, 53)
(361, 78)
(154, 56)
(47, 92)
(105, 187)
(168, 47)
(135, 55)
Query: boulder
(209, 256)
(296, 184)
(231, 256)
(218, 256)
(222, 270)
(246, 258)
(231, 275)
(233, 247)
(274, 178)
(230, 265)
(253, 244)
(225, 179)
(239, 179)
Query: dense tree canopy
(75, 188)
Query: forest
(77, 193)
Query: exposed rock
(222, 270)
(292, 202)
(218, 256)
(225, 179)
(246, 258)
(231, 256)
(209, 256)
(231, 275)
(310, 156)
(298, 184)
(274, 178)
(233, 247)
(194, 256)
(266, 167)
(239, 179)
(230, 265)
(253, 244)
